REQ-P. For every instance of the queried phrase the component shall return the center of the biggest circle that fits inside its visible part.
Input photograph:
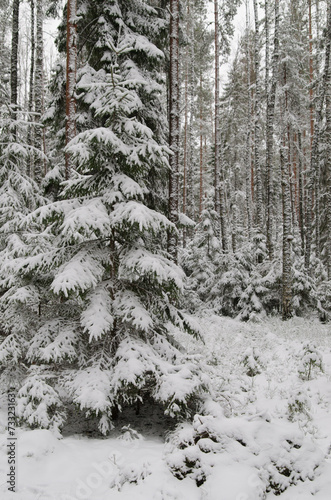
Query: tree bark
(258, 179)
(287, 237)
(219, 186)
(38, 92)
(248, 159)
(14, 63)
(287, 308)
(31, 83)
(301, 194)
(271, 98)
(71, 79)
(200, 154)
(327, 76)
(174, 124)
(311, 173)
(217, 113)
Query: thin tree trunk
(187, 138)
(190, 173)
(287, 237)
(38, 92)
(71, 79)
(258, 179)
(217, 113)
(287, 215)
(223, 219)
(271, 97)
(200, 155)
(327, 76)
(301, 195)
(14, 63)
(185, 145)
(311, 173)
(31, 83)
(219, 186)
(174, 124)
(248, 158)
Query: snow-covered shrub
(276, 453)
(252, 361)
(299, 405)
(130, 473)
(310, 360)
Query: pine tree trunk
(14, 63)
(301, 194)
(71, 79)
(174, 124)
(218, 186)
(38, 92)
(271, 97)
(311, 173)
(327, 76)
(200, 155)
(190, 173)
(248, 159)
(287, 237)
(217, 114)
(223, 219)
(258, 179)
(287, 217)
(185, 145)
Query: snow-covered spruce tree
(200, 260)
(104, 340)
(18, 195)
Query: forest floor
(284, 419)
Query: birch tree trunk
(38, 92)
(174, 124)
(71, 79)
(14, 63)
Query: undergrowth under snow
(266, 435)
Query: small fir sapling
(38, 404)
(299, 405)
(310, 360)
(252, 361)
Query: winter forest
(165, 250)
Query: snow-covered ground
(272, 425)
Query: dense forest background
(135, 191)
